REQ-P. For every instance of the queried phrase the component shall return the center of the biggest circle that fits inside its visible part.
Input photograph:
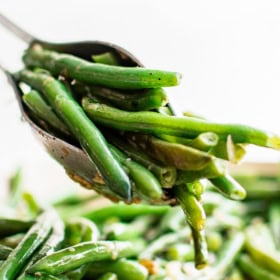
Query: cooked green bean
(53, 242)
(214, 169)
(173, 220)
(260, 246)
(128, 231)
(42, 110)
(12, 226)
(159, 244)
(15, 188)
(196, 188)
(85, 252)
(165, 174)
(200, 248)
(191, 206)
(204, 141)
(33, 239)
(124, 269)
(155, 123)
(229, 187)
(122, 211)
(144, 100)
(254, 270)
(4, 252)
(145, 181)
(80, 230)
(171, 154)
(106, 58)
(228, 150)
(226, 257)
(181, 252)
(82, 128)
(274, 222)
(97, 73)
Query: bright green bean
(170, 154)
(192, 207)
(123, 268)
(106, 58)
(145, 181)
(97, 73)
(82, 128)
(254, 270)
(229, 187)
(42, 110)
(165, 174)
(33, 239)
(155, 123)
(145, 100)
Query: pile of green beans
(76, 239)
(121, 118)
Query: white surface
(227, 51)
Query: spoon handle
(16, 30)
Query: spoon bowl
(69, 154)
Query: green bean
(145, 181)
(128, 231)
(214, 240)
(260, 246)
(165, 174)
(4, 252)
(122, 211)
(42, 110)
(12, 240)
(159, 244)
(106, 58)
(196, 188)
(12, 226)
(80, 230)
(53, 242)
(123, 268)
(82, 128)
(228, 150)
(33, 239)
(254, 270)
(226, 257)
(274, 222)
(191, 206)
(108, 276)
(204, 141)
(145, 100)
(173, 220)
(15, 188)
(74, 199)
(155, 123)
(180, 252)
(214, 169)
(32, 205)
(170, 154)
(85, 252)
(229, 187)
(97, 73)
(200, 248)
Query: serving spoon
(70, 155)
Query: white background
(227, 51)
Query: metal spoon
(74, 160)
